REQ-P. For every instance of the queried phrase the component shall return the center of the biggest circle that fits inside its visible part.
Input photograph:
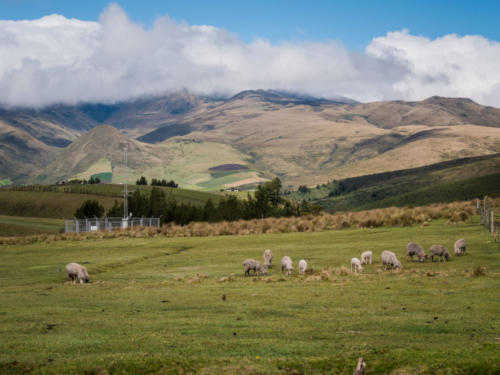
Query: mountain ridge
(299, 138)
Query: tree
(116, 210)
(141, 181)
(303, 189)
(157, 202)
(89, 208)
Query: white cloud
(55, 59)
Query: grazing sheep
(268, 257)
(302, 266)
(77, 272)
(286, 264)
(252, 264)
(439, 251)
(460, 247)
(415, 249)
(360, 368)
(356, 264)
(366, 257)
(390, 259)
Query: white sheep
(390, 259)
(268, 257)
(366, 257)
(286, 264)
(460, 247)
(77, 272)
(415, 249)
(439, 251)
(302, 266)
(252, 264)
(356, 265)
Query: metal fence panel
(109, 224)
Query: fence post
(492, 222)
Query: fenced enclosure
(109, 224)
(486, 209)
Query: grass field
(63, 201)
(147, 311)
(16, 226)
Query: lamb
(390, 259)
(439, 251)
(268, 257)
(356, 264)
(302, 266)
(77, 272)
(360, 368)
(286, 264)
(366, 257)
(252, 264)
(460, 247)
(415, 249)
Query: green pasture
(20, 226)
(5, 182)
(147, 311)
(62, 201)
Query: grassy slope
(459, 179)
(15, 225)
(141, 311)
(57, 204)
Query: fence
(109, 224)
(486, 209)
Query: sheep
(366, 257)
(286, 264)
(77, 272)
(356, 264)
(439, 251)
(268, 257)
(415, 249)
(390, 259)
(252, 264)
(360, 368)
(302, 266)
(460, 247)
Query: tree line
(266, 202)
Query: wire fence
(109, 224)
(489, 220)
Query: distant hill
(459, 179)
(302, 139)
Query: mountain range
(210, 143)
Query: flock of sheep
(78, 273)
(389, 259)
(286, 264)
(412, 249)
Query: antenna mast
(125, 189)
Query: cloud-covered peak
(55, 59)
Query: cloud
(55, 59)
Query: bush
(89, 208)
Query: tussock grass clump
(392, 216)
(478, 271)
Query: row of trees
(266, 202)
(156, 182)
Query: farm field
(165, 305)
(17, 225)
(62, 201)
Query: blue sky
(354, 23)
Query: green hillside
(55, 201)
(458, 179)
